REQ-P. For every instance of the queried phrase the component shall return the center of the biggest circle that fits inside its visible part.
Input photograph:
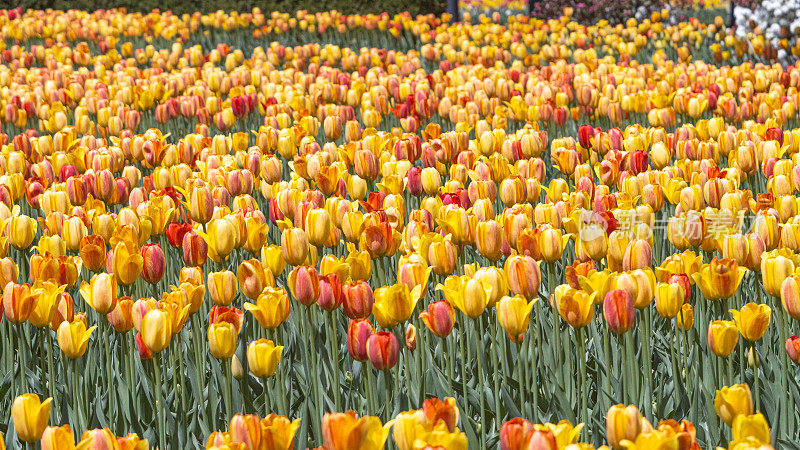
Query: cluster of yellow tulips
(208, 217)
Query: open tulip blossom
(265, 230)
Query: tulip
(277, 432)
(73, 338)
(523, 275)
(263, 357)
(57, 438)
(575, 307)
(246, 430)
(564, 432)
(358, 300)
(222, 287)
(670, 298)
(382, 350)
(30, 416)
(618, 311)
(793, 349)
(513, 314)
(221, 238)
(294, 245)
(440, 318)
(252, 278)
(722, 337)
(8, 271)
(156, 331)
(751, 427)
(100, 293)
(222, 339)
(271, 308)
(201, 205)
(515, 434)
(154, 263)
(330, 292)
(752, 320)
(21, 231)
(358, 333)
(234, 316)
(195, 249)
(790, 296)
(97, 439)
(346, 431)
(776, 266)
(121, 317)
(622, 423)
(720, 279)
(685, 318)
(394, 304)
(732, 401)
(132, 442)
(18, 303)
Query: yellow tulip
(752, 320)
(73, 338)
(100, 293)
(732, 401)
(513, 313)
(222, 339)
(156, 330)
(753, 426)
(30, 417)
(395, 304)
(263, 357)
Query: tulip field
(264, 230)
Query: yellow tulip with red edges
(57, 438)
(576, 307)
(719, 279)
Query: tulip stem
(334, 349)
(159, 401)
(23, 364)
(104, 323)
(129, 352)
(674, 363)
(200, 364)
(51, 385)
(228, 390)
(522, 375)
(369, 390)
(76, 400)
(478, 336)
(497, 373)
(582, 369)
(267, 407)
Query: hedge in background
(204, 6)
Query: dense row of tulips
(435, 425)
(195, 225)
